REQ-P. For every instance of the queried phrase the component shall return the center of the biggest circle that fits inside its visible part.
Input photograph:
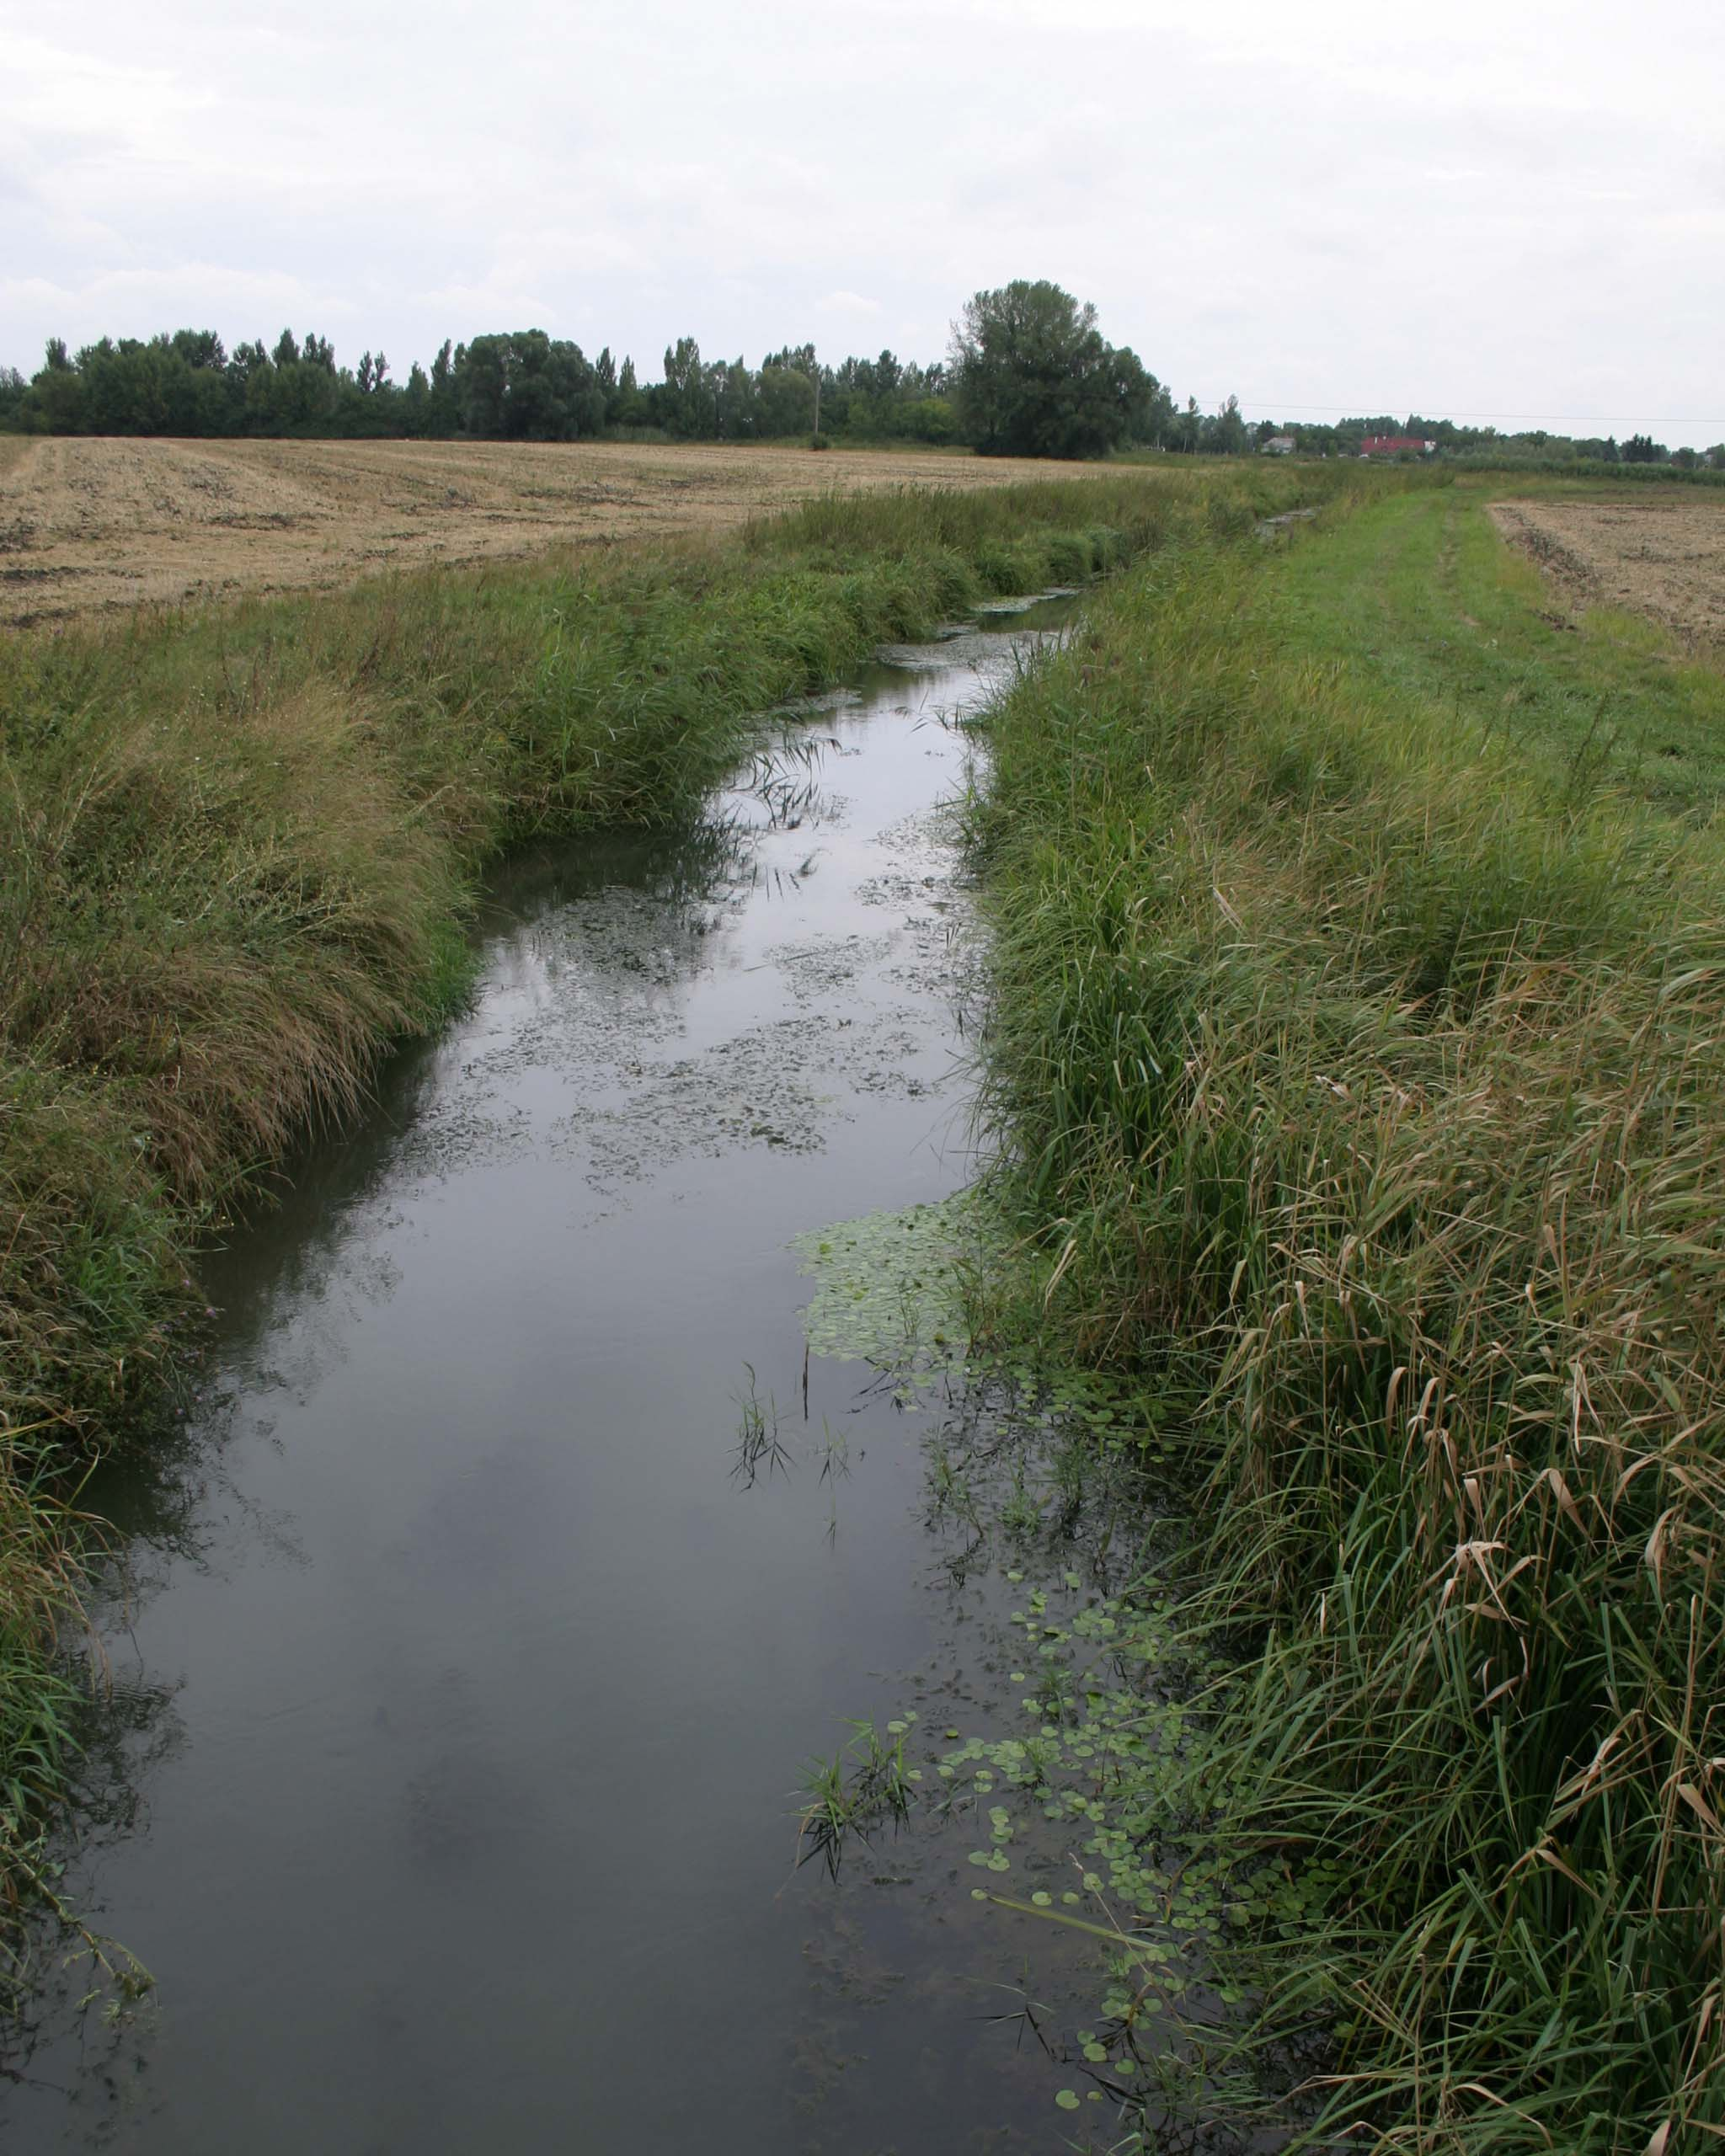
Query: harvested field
(90, 524)
(1665, 558)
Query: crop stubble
(1662, 558)
(90, 524)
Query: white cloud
(78, 93)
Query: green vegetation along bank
(1357, 1067)
(240, 847)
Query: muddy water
(460, 1684)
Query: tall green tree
(687, 405)
(443, 413)
(1226, 436)
(785, 400)
(1033, 376)
(526, 385)
(735, 412)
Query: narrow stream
(460, 1684)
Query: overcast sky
(1482, 210)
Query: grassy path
(1420, 596)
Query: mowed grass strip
(1421, 597)
(1357, 1063)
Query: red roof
(1390, 444)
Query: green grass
(863, 1786)
(1357, 1063)
(1420, 597)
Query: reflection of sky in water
(460, 1691)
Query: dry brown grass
(1661, 557)
(87, 525)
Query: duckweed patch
(896, 1290)
(889, 1287)
(1084, 1818)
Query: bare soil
(1662, 558)
(90, 524)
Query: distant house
(1280, 446)
(1396, 445)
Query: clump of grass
(864, 1784)
(1362, 1075)
(759, 1448)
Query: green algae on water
(889, 1287)
(896, 1290)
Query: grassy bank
(1357, 1066)
(240, 846)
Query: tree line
(515, 386)
(1028, 374)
